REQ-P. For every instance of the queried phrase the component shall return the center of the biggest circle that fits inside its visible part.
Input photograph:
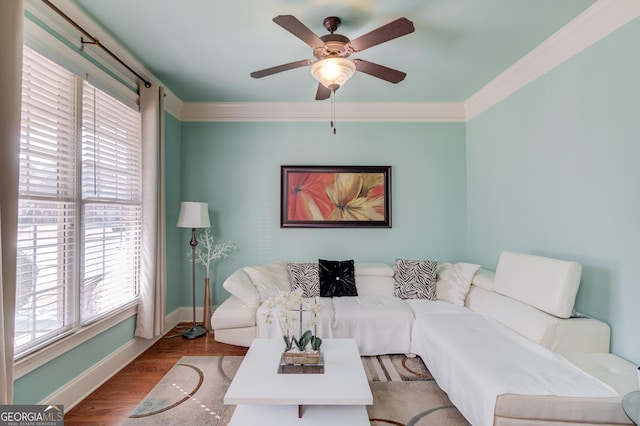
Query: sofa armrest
(582, 334)
(563, 335)
(233, 313)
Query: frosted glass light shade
(193, 215)
(332, 73)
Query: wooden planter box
(301, 358)
(301, 363)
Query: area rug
(192, 393)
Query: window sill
(30, 362)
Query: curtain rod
(94, 41)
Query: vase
(301, 358)
(206, 311)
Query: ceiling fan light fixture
(332, 73)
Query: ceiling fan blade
(394, 29)
(298, 29)
(322, 93)
(380, 71)
(284, 67)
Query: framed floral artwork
(335, 197)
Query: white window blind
(112, 203)
(79, 219)
(47, 205)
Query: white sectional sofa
(505, 346)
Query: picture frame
(335, 197)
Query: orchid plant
(210, 252)
(289, 308)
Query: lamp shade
(332, 73)
(193, 215)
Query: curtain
(10, 86)
(152, 305)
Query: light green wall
(235, 167)
(40, 383)
(553, 170)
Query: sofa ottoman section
(461, 352)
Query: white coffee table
(263, 396)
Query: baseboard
(88, 381)
(185, 314)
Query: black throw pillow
(337, 278)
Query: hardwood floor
(112, 402)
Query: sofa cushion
(269, 279)
(415, 279)
(369, 284)
(305, 277)
(547, 284)
(423, 307)
(337, 278)
(484, 279)
(524, 319)
(373, 270)
(379, 324)
(454, 281)
(374, 278)
(240, 285)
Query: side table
(631, 406)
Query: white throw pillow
(239, 284)
(269, 279)
(454, 281)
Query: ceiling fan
(332, 67)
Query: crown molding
(598, 21)
(172, 104)
(321, 111)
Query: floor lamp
(194, 215)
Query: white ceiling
(204, 50)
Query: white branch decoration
(210, 252)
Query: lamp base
(194, 332)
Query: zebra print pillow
(415, 279)
(304, 276)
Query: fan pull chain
(333, 110)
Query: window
(111, 203)
(80, 204)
